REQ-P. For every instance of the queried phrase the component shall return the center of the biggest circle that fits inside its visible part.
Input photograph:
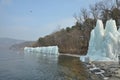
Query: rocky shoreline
(103, 70)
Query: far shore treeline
(75, 39)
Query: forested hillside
(75, 39)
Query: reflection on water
(72, 68)
(36, 66)
(43, 57)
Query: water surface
(35, 66)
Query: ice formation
(45, 50)
(104, 44)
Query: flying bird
(30, 11)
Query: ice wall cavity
(104, 44)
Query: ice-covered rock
(44, 50)
(104, 44)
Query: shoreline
(109, 70)
(73, 55)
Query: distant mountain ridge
(7, 42)
(20, 46)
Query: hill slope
(20, 46)
(7, 42)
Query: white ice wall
(104, 44)
(44, 50)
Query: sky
(31, 19)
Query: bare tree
(78, 18)
(82, 16)
(106, 5)
(84, 13)
(94, 11)
(118, 3)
